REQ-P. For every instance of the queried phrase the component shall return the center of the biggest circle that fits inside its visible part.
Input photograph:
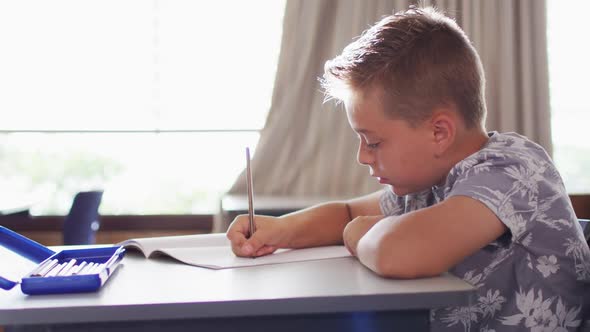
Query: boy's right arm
(319, 225)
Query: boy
(487, 207)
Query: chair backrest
(585, 223)
(82, 222)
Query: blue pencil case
(66, 271)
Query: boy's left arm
(425, 242)
(356, 229)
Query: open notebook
(213, 251)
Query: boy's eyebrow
(363, 131)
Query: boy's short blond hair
(418, 59)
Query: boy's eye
(372, 145)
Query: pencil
(66, 269)
(250, 193)
(41, 271)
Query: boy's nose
(363, 156)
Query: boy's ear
(444, 131)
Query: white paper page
(223, 258)
(150, 244)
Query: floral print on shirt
(536, 277)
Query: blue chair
(585, 223)
(82, 222)
(586, 228)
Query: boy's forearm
(371, 244)
(317, 226)
(391, 252)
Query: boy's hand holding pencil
(266, 240)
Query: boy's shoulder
(505, 150)
(511, 141)
(507, 164)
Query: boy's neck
(469, 142)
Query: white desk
(16, 202)
(144, 294)
(13, 207)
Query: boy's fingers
(237, 238)
(266, 250)
(256, 245)
(236, 235)
(253, 244)
(237, 243)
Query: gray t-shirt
(535, 277)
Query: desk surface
(164, 289)
(12, 207)
(15, 202)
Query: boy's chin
(398, 191)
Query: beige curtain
(307, 148)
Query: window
(154, 101)
(570, 106)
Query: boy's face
(396, 153)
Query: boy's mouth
(383, 180)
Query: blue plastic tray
(104, 259)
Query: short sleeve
(520, 191)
